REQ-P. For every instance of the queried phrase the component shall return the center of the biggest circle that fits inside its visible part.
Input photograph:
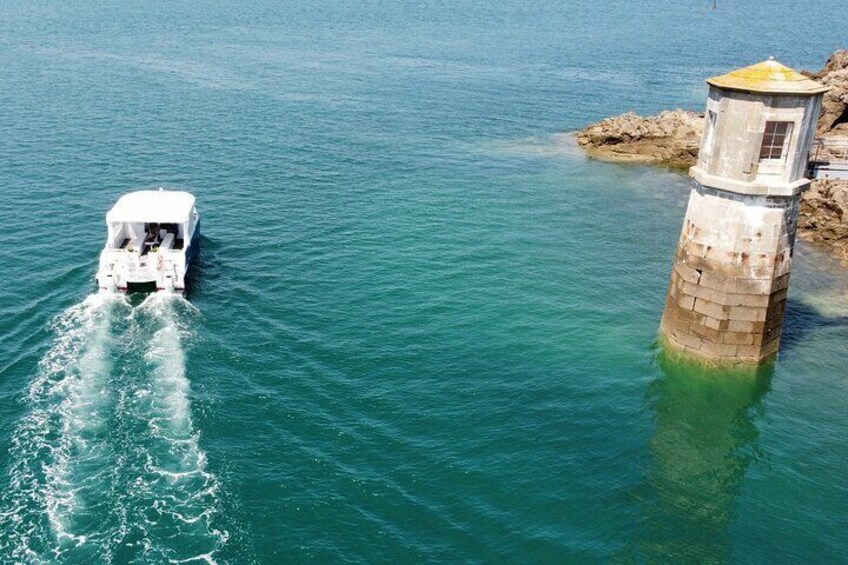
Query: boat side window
(118, 236)
(179, 235)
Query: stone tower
(728, 287)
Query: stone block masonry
(727, 293)
(728, 287)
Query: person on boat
(151, 238)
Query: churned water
(424, 325)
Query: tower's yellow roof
(768, 77)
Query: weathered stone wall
(727, 293)
(730, 152)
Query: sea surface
(423, 327)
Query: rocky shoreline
(672, 139)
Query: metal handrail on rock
(829, 158)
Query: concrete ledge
(777, 189)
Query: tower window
(709, 133)
(774, 139)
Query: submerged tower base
(728, 287)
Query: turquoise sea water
(424, 325)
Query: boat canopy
(149, 206)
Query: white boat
(153, 235)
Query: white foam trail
(108, 467)
(56, 455)
(175, 490)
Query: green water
(424, 325)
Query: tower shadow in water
(801, 319)
(705, 437)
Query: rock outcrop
(823, 217)
(834, 116)
(672, 138)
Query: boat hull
(162, 270)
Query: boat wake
(106, 466)
(171, 506)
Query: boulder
(670, 138)
(823, 217)
(834, 116)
